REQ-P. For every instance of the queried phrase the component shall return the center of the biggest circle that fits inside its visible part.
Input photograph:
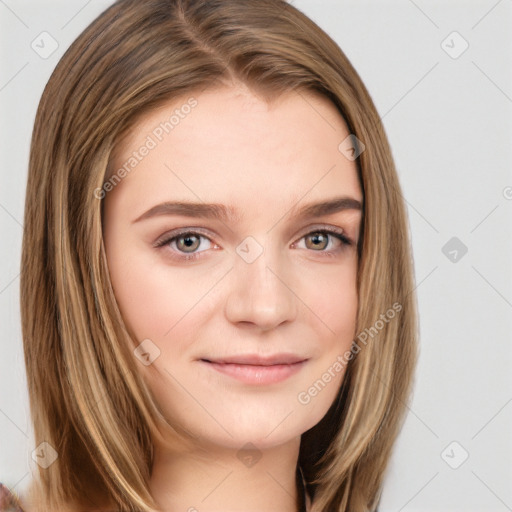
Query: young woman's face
(224, 249)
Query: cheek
(154, 299)
(333, 301)
(337, 308)
(330, 293)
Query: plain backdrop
(440, 75)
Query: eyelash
(167, 239)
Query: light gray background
(449, 123)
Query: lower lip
(254, 374)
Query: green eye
(318, 240)
(185, 245)
(325, 241)
(188, 242)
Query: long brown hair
(87, 399)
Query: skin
(298, 296)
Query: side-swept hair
(87, 399)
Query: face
(231, 244)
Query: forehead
(230, 145)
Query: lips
(255, 369)
(257, 360)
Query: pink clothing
(9, 500)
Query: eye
(185, 244)
(188, 242)
(324, 240)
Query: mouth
(255, 369)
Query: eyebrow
(226, 214)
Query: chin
(263, 428)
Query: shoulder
(9, 500)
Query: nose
(260, 292)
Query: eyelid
(167, 237)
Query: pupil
(318, 239)
(189, 241)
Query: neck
(218, 479)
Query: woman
(216, 284)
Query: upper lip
(257, 360)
